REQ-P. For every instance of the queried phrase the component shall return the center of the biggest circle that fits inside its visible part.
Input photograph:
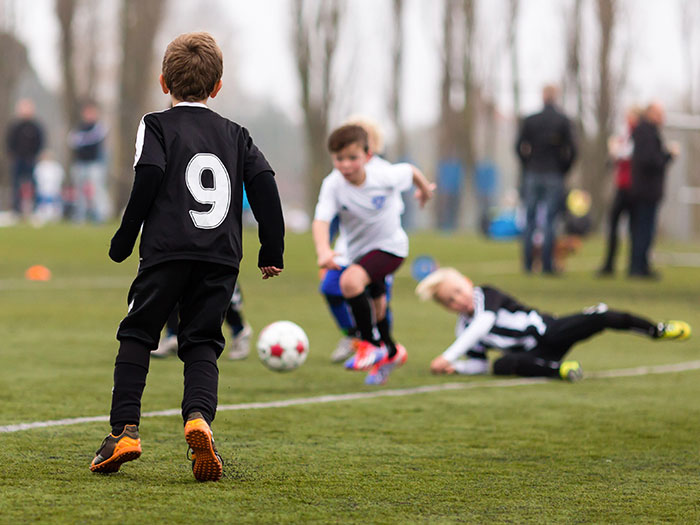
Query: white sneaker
(344, 350)
(166, 347)
(240, 345)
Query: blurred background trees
(338, 57)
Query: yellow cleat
(674, 330)
(571, 371)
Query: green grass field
(607, 450)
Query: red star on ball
(276, 350)
(300, 347)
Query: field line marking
(334, 398)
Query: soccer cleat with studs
(240, 345)
(344, 350)
(380, 372)
(207, 464)
(571, 371)
(679, 330)
(366, 355)
(116, 450)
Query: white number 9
(219, 196)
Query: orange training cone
(38, 273)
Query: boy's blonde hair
(427, 288)
(373, 129)
(192, 66)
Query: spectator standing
(649, 161)
(89, 169)
(547, 149)
(620, 149)
(25, 140)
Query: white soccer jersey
(370, 214)
(341, 243)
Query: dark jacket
(25, 139)
(546, 142)
(649, 160)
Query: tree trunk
(139, 24)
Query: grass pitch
(600, 451)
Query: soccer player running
(190, 168)
(368, 201)
(330, 280)
(534, 343)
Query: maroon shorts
(378, 265)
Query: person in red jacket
(620, 149)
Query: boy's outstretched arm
(478, 328)
(265, 204)
(425, 188)
(147, 180)
(324, 253)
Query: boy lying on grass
(534, 343)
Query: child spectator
(49, 177)
(368, 201)
(89, 169)
(190, 168)
(534, 343)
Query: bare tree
(13, 63)
(690, 38)
(448, 118)
(65, 12)
(399, 148)
(469, 86)
(315, 44)
(572, 77)
(513, 12)
(139, 26)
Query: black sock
(130, 371)
(521, 364)
(385, 334)
(626, 321)
(362, 312)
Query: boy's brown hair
(346, 135)
(192, 66)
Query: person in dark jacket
(547, 149)
(649, 161)
(25, 140)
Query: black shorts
(202, 290)
(378, 265)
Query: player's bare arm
(324, 253)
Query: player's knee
(353, 281)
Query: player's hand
(270, 271)
(118, 252)
(425, 194)
(440, 365)
(326, 260)
(674, 148)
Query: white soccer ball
(282, 346)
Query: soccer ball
(283, 346)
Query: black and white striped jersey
(499, 321)
(205, 159)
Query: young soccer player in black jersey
(534, 343)
(190, 168)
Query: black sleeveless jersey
(205, 159)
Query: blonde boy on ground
(533, 343)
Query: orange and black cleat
(116, 450)
(206, 461)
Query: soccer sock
(362, 312)
(625, 321)
(130, 371)
(234, 319)
(521, 364)
(201, 383)
(385, 334)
